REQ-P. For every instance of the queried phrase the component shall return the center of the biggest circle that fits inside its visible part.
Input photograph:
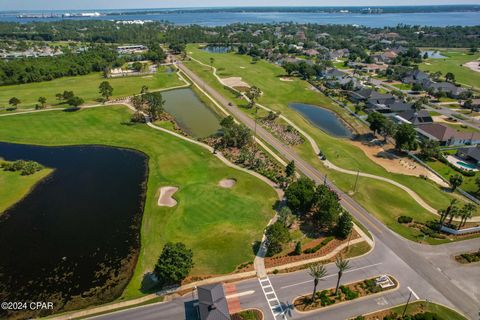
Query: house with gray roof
(415, 117)
(449, 88)
(470, 154)
(415, 76)
(212, 303)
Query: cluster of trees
(26, 168)
(70, 98)
(303, 69)
(320, 204)
(26, 70)
(234, 134)
(453, 211)
(404, 134)
(150, 103)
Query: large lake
(439, 19)
(74, 239)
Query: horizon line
(254, 6)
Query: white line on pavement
(413, 292)
(333, 275)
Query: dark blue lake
(322, 118)
(74, 239)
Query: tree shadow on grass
(149, 283)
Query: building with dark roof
(470, 154)
(212, 303)
(415, 117)
(415, 76)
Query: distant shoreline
(270, 9)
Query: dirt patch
(473, 65)
(443, 119)
(286, 79)
(396, 164)
(235, 82)
(165, 199)
(227, 183)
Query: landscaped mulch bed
(345, 293)
(249, 314)
(289, 258)
(468, 257)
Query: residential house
(446, 135)
(212, 303)
(415, 76)
(311, 52)
(371, 97)
(449, 88)
(470, 154)
(415, 117)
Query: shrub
(319, 246)
(404, 219)
(324, 299)
(26, 168)
(371, 286)
(298, 248)
(349, 294)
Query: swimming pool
(469, 166)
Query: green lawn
(453, 63)
(444, 313)
(85, 87)
(15, 186)
(277, 94)
(446, 171)
(403, 86)
(219, 224)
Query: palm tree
(342, 266)
(317, 272)
(466, 213)
(445, 213)
(454, 212)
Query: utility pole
(406, 306)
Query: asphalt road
(414, 266)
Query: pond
(191, 114)
(322, 118)
(433, 54)
(74, 239)
(217, 49)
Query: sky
(121, 4)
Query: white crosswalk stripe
(272, 299)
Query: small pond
(191, 114)
(74, 239)
(433, 54)
(217, 49)
(322, 118)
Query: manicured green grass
(277, 94)
(15, 186)
(85, 87)
(219, 224)
(446, 171)
(443, 312)
(403, 86)
(453, 63)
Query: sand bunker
(165, 199)
(395, 164)
(286, 79)
(235, 82)
(227, 183)
(473, 65)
